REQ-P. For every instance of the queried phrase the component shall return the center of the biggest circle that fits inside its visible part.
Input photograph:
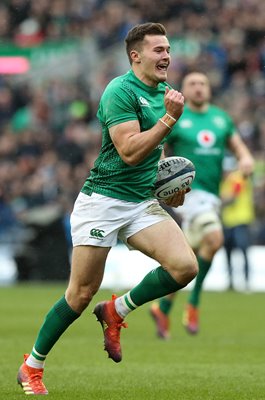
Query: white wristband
(163, 122)
(170, 116)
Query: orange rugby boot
(111, 324)
(30, 379)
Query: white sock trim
(34, 363)
(38, 354)
(129, 300)
(122, 307)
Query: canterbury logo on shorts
(97, 233)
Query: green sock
(204, 266)
(157, 283)
(165, 305)
(56, 322)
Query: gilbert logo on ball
(174, 174)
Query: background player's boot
(191, 319)
(161, 321)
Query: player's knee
(185, 270)
(79, 298)
(212, 243)
(190, 271)
(216, 245)
(85, 296)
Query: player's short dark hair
(136, 35)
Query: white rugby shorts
(200, 216)
(100, 220)
(201, 225)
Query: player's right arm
(133, 145)
(243, 155)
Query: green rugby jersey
(126, 98)
(202, 138)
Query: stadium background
(55, 59)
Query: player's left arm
(242, 154)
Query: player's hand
(246, 166)
(177, 199)
(174, 102)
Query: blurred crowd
(49, 135)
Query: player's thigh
(165, 243)
(211, 242)
(204, 230)
(87, 267)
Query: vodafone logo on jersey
(206, 138)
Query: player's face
(153, 59)
(196, 89)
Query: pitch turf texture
(226, 360)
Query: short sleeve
(117, 106)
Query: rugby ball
(174, 174)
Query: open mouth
(162, 67)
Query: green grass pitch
(225, 361)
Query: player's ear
(135, 56)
